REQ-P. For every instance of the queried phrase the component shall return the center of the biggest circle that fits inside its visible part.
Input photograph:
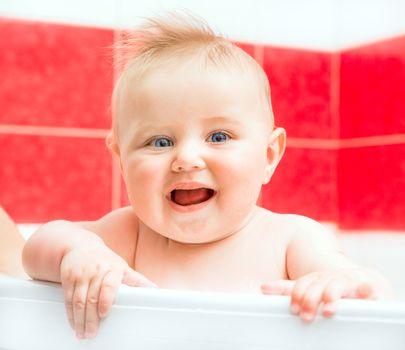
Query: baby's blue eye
(161, 142)
(218, 137)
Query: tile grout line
(116, 190)
(355, 142)
(258, 55)
(335, 95)
(52, 131)
(292, 142)
(335, 131)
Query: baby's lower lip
(189, 208)
(192, 196)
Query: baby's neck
(236, 233)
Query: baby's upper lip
(187, 185)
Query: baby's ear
(275, 150)
(111, 143)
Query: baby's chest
(238, 270)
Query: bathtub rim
(392, 311)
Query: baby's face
(193, 147)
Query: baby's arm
(87, 258)
(11, 245)
(320, 274)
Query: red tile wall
(300, 90)
(371, 180)
(45, 177)
(371, 185)
(372, 100)
(52, 78)
(55, 77)
(304, 182)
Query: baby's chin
(196, 237)
(203, 226)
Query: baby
(194, 135)
(11, 246)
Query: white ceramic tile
(100, 13)
(363, 21)
(313, 24)
(226, 16)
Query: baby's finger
(135, 279)
(92, 318)
(279, 287)
(365, 291)
(298, 292)
(68, 296)
(108, 291)
(313, 298)
(68, 285)
(79, 307)
(334, 290)
(329, 309)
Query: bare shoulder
(295, 227)
(309, 237)
(120, 219)
(118, 229)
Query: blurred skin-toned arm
(11, 246)
(320, 274)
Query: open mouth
(192, 196)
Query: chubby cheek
(143, 182)
(241, 178)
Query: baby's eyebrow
(221, 119)
(141, 134)
(150, 128)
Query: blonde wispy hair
(175, 38)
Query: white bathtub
(32, 316)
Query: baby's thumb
(135, 279)
(365, 291)
(280, 287)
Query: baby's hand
(90, 280)
(325, 288)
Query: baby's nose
(188, 158)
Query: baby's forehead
(140, 86)
(188, 86)
(168, 69)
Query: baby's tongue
(188, 197)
